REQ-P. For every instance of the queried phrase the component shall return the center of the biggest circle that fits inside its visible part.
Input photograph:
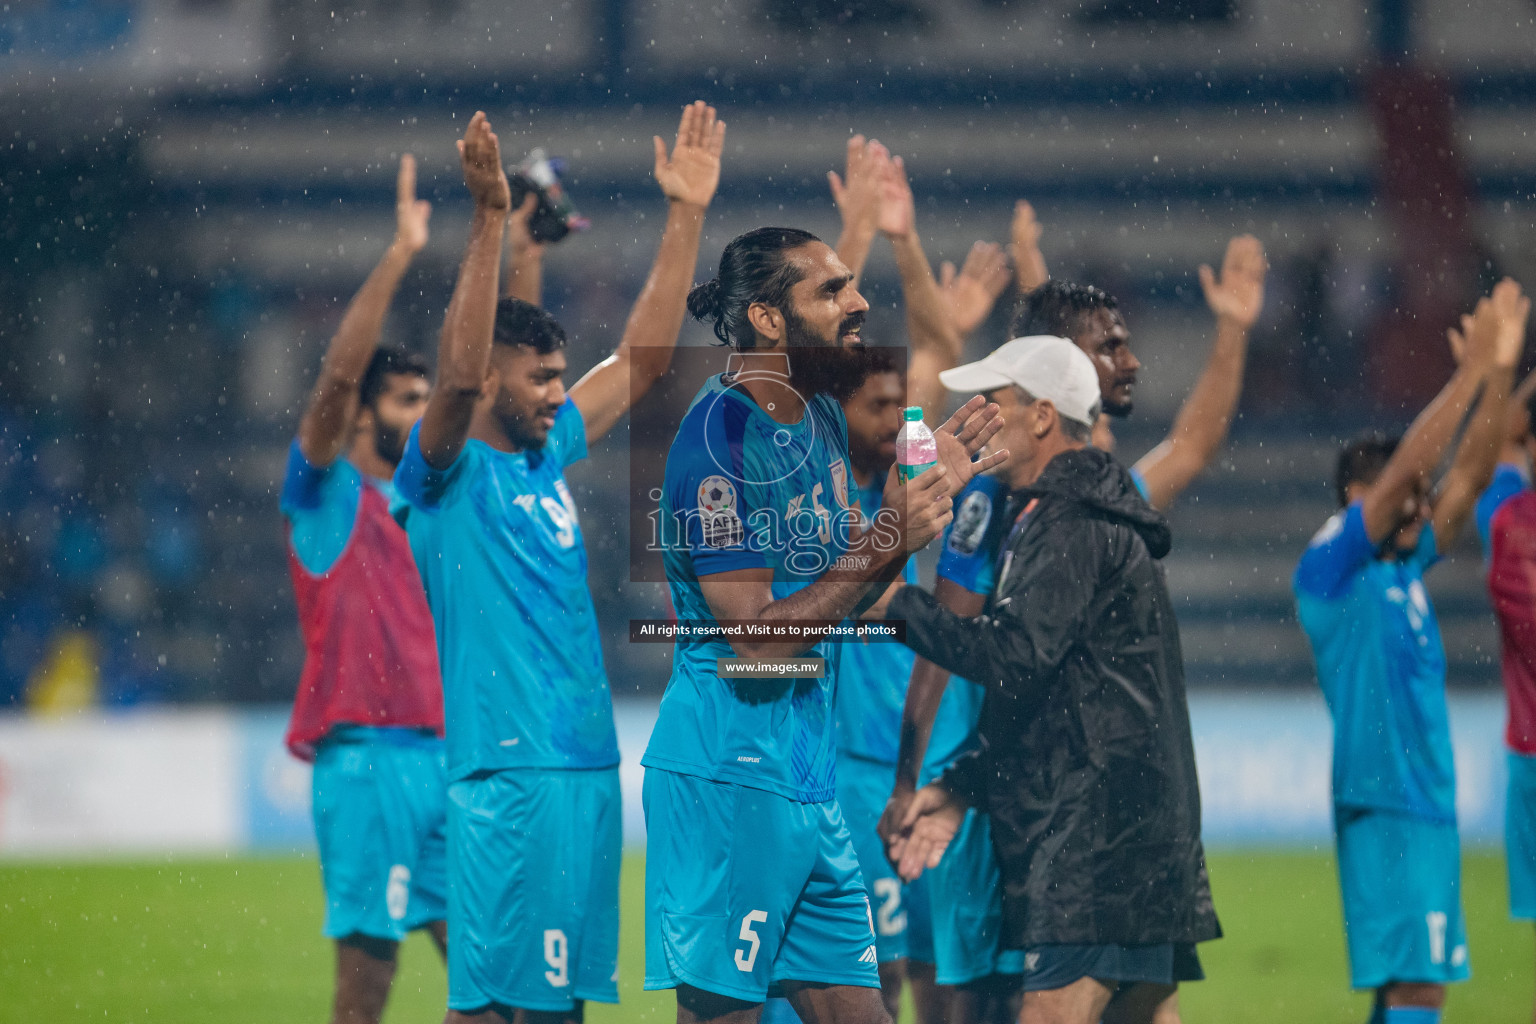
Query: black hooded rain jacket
(1087, 767)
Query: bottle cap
(912, 414)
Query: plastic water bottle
(916, 449)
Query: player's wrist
(1233, 322)
(492, 205)
(525, 252)
(686, 209)
(401, 247)
(859, 228)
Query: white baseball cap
(1045, 366)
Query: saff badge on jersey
(839, 471)
(720, 522)
(970, 523)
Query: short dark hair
(868, 361)
(523, 323)
(1058, 308)
(1362, 461)
(388, 361)
(753, 268)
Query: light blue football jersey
(499, 547)
(973, 544)
(1381, 667)
(873, 687)
(1508, 481)
(320, 503)
(872, 691)
(743, 490)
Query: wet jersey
(973, 544)
(370, 657)
(872, 689)
(500, 551)
(1381, 667)
(744, 491)
(1506, 518)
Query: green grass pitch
(238, 939)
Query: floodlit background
(192, 190)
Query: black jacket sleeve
(1037, 617)
(967, 779)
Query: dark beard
(520, 435)
(1119, 410)
(817, 368)
(388, 442)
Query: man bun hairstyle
(704, 302)
(1362, 461)
(755, 267)
(523, 323)
(1058, 307)
(388, 361)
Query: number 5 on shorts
(745, 962)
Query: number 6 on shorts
(744, 963)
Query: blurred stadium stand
(194, 188)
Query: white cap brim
(973, 378)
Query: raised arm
(688, 179)
(1028, 261)
(1472, 468)
(911, 514)
(325, 430)
(858, 201)
(1517, 421)
(971, 292)
(464, 347)
(1236, 298)
(1431, 432)
(933, 342)
(525, 257)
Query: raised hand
(692, 173)
(897, 216)
(1494, 335)
(480, 156)
(858, 193)
(970, 293)
(411, 214)
(1513, 309)
(1024, 247)
(963, 435)
(922, 506)
(1238, 295)
(1457, 336)
(519, 237)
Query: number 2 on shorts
(745, 960)
(891, 920)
